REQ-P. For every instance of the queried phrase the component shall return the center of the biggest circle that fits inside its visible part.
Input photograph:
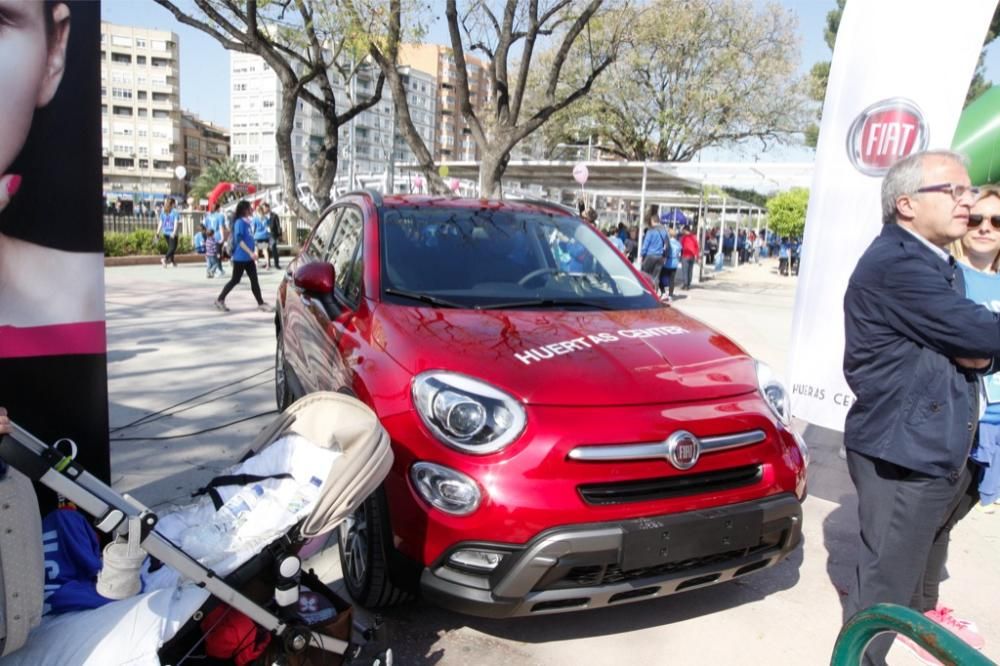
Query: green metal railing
(946, 647)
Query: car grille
(645, 490)
(595, 575)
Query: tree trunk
(491, 167)
(283, 140)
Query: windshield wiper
(425, 298)
(546, 303)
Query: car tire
(365, 544)
(283, 395)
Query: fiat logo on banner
(885, 133)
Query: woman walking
(244, 258)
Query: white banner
(900, 73)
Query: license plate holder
(650, 542)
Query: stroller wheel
(365, 545)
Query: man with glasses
(914, 349)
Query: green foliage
(786, 212)
(696, 74)
(141, 242)
(750, 196)
(225, 171)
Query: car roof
(513, 205)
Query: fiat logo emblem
(884, 133)
(683, 449)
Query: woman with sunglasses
(978, 252)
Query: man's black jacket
(906, 317)
(274, 226)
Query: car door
(303, 318)
(345, 256)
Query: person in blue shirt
(169, 226)
(244, 258)
(216, 221)
(671, 262)
(262, 236)
(654, 241)
(978, 254)
(784, 256)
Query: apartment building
(453, 139)
(368, 145)
(204, 143)
(140, 113)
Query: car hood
(591, 358)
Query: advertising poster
(888, 95)
(53, 368)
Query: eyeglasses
(975, 220)
(956, 191)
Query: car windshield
(486, 258)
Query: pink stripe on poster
(55, 340)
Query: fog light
(481, 560)
(445, 489)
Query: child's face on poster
(32, 61)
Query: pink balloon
(454, 184)
(418, 182)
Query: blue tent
(674, 217)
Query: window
(122, 110)
(143, 164)
(321, 236)
(122, 148)
(268, 104)
(121, 93)
(237, 87)
(124, 162)
(161, 97)
(121, 40)
(104, 109)
(143, 113)
(142, 133)
(140, 60)
(192, 143)
(140, 43)
(158, 45)
(161, 164)
(160, 62)
(122, 58)
(143, 150)
(161, 113)
(345, 255)
(141, 94)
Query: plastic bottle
(275, 513)
(209, 542)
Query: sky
(205, 64)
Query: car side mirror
(315, 278)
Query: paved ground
(184, 368)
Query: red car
(562, 439)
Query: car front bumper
(606, 564)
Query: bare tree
(303, 41)
(384, 29)
(509, 40)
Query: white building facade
(369, 144)
(140, 113)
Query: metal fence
(128, 223)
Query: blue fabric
(169, 221)
(260, 230)
(672, 257)
(984, 288)
(905, 317)
(241, 232)
(987, 454)
(199, 243)
(216, 222)
(653, 242)
(72, 561)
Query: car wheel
(365, 541)
(282, 389)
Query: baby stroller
(262, 587)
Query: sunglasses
(975, 220)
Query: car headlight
(467, 414)
(773, 392)
(445, 488)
